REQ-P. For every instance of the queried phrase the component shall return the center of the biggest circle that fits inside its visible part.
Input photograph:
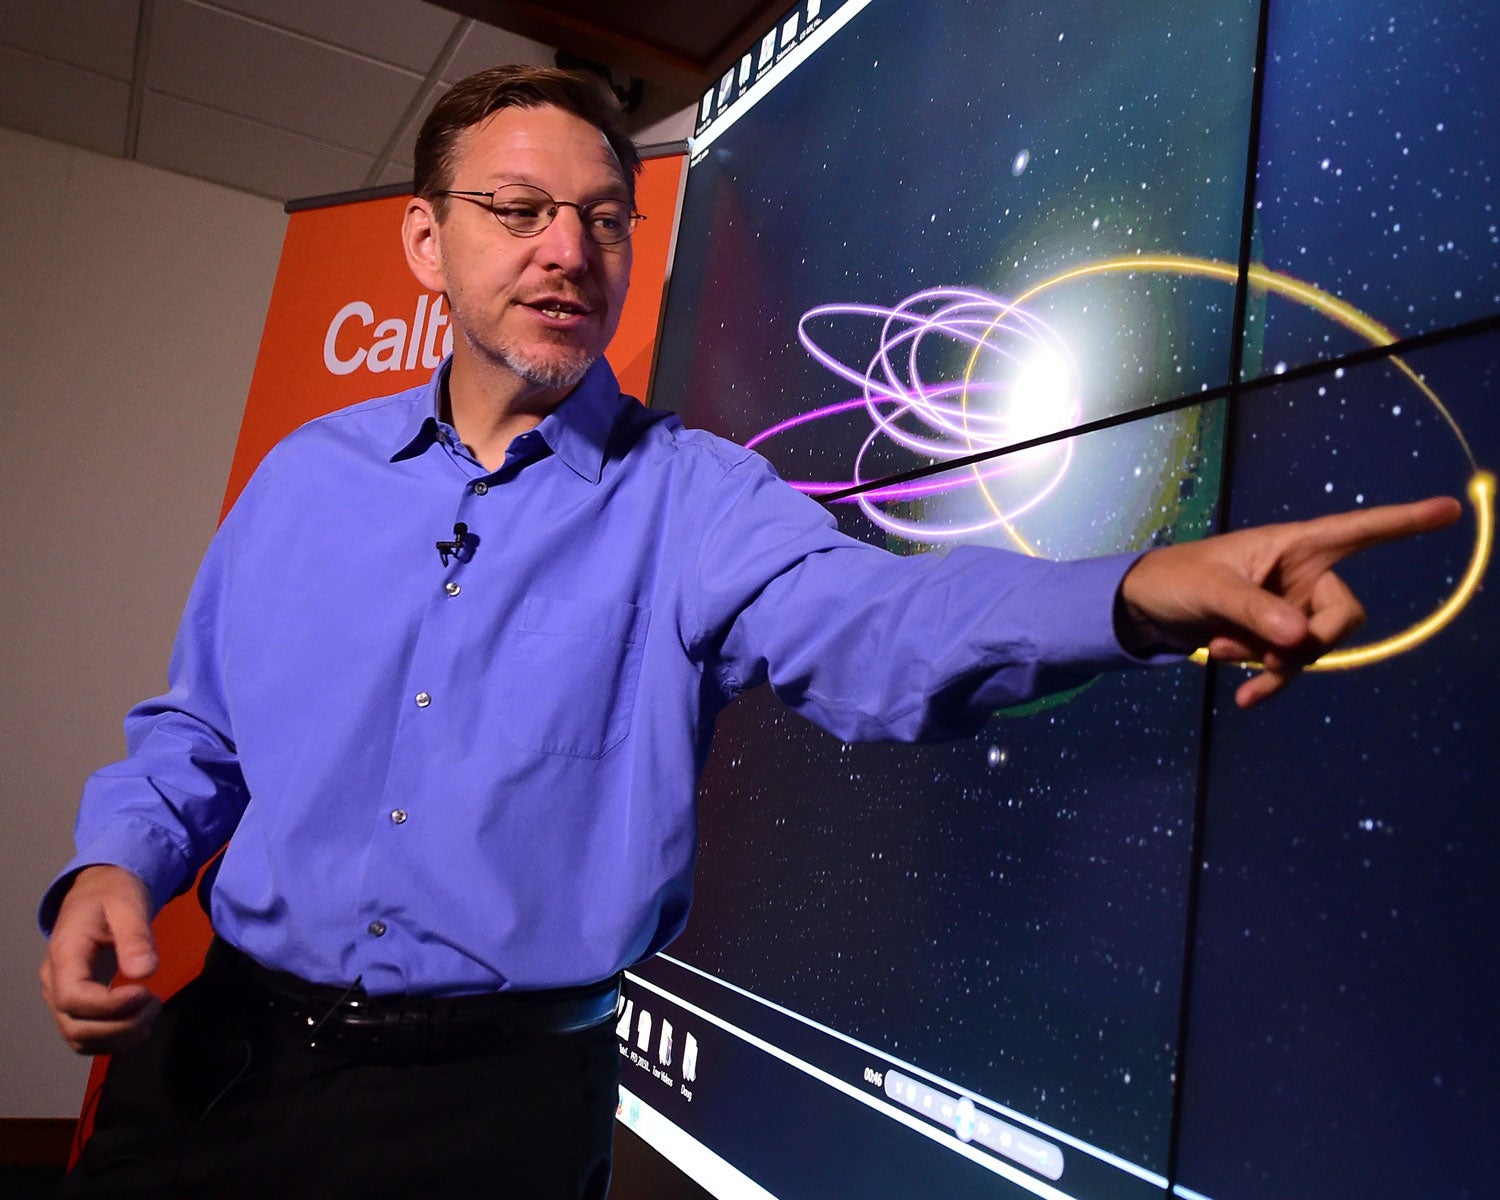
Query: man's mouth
(559, 309)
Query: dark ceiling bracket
(627, 93)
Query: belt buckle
(359, 1029)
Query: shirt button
(423, 699)
(377, 928)
(452, 588)
(481, 487)
(399, 816)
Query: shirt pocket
(572, 671)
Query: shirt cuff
(141, 848)
(1088, 595)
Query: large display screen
(1071, 281)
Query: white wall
(131, 305)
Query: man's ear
(421, 238)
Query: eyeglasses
(526, 211)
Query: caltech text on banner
(394, 344)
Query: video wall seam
(913, 241)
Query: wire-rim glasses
(526, 211)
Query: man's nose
(565, 243)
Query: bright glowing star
(1042, 395)
(1022, 161)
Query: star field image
(1377, 171)
(1346, 979)
(949, 233)
(983, 147)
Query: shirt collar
(577, 430)
(420, 429)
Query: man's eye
(519, 212)
(609, 218)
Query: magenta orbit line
(966, 316)
(829, 410)
(896, 389)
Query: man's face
(538, 309)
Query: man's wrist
(1138, 635)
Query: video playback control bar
(971, 1124)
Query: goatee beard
(549, 374)
(553, 373)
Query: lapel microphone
(447, 549)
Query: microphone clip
(452, 549)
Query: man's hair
(473, 99)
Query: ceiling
(298, 98)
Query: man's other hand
(1266, 594)
(104, 925)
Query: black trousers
(218, 1103)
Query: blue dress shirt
(481, 775)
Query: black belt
(349, 1022)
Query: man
(460, 784)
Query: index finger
(1339, 535)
